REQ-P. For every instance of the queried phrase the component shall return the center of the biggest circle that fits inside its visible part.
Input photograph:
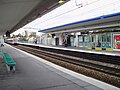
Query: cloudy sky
(72, 11)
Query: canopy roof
(16, 13)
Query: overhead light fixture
(61, 1)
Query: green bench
(10, 63)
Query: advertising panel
(116, 41)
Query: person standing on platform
(1, 41)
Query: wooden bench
(10, 63)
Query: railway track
(106, 72)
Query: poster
(116, 41)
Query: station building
(99, 33)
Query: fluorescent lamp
(61, 1)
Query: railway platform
(34, 73)
(76, 49)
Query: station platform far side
(77, 49)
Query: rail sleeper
(10, 63)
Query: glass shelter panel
(98, 40)
(103, 40)
(93, 39)
(108, 40)
(72, 40)
(80, 41)
(86, 40)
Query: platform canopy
(16, 13)
(104, 22)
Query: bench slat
(8, 59)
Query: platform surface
(33, 73)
